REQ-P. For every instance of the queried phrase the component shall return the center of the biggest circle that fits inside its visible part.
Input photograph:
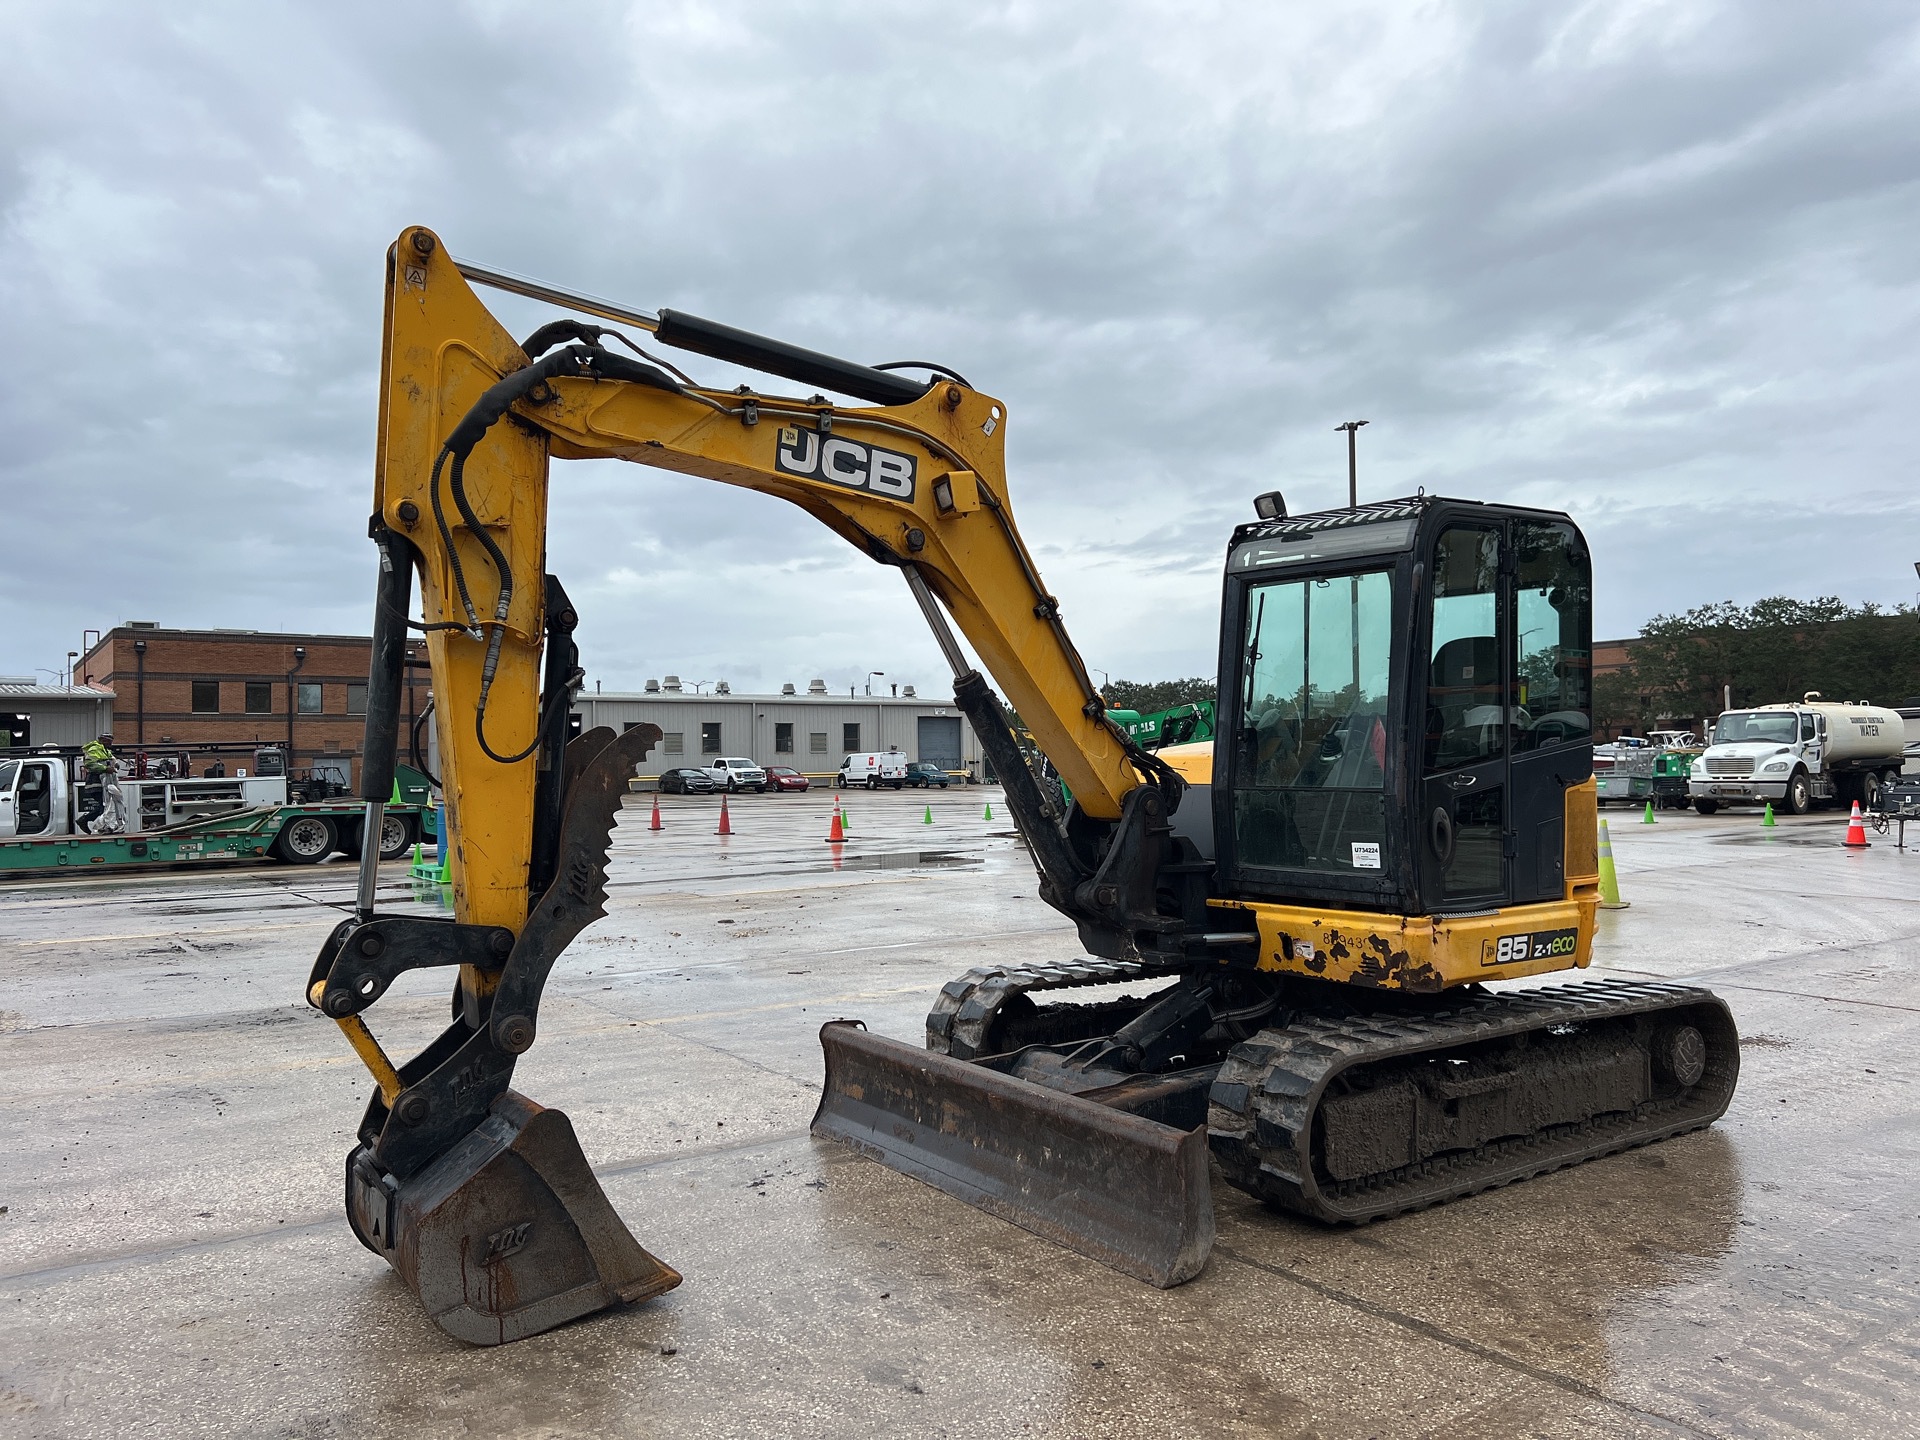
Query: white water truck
(1794, 755)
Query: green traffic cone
(846, 825)
(928, 818)
(1648, 819)
(1609, 877)
(989, 814)
(1766, 816)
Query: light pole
(1352, 427)
(293, 703)
(871, 676)
(72, 655)
(140, 692)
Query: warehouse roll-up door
(940, 740)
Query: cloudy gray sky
(1652, 263)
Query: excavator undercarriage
(1312, 1101)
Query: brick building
(1610, 656)
(192, 687)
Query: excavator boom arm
(920, 484)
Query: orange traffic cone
(1856, 832)
(726, 825)
(654, 824)
(837, 835)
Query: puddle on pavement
(1823, 839)
(907, 860)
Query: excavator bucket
(1126, 1191)
(508, 1233)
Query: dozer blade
(508, 1233)
(1128, 1192)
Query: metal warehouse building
(33, 714)
(811, 732)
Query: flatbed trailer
(187, 821)
(253, 834)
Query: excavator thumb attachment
(1126, 1191)
(508, 1233)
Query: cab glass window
(1467, 718)
(1553, 625)
(1313, 743)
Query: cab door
(1462, 819)
(1551, 734)
(33, 798)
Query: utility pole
(293, 704)
(1352, 427)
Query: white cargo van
(873, 769)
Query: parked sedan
(685, 782)
(780, 778)
(925, 772)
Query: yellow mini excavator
(1291, 929)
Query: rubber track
(966, 1008)
(1263, 1102)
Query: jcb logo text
(845, 462)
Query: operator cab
(1405, 702)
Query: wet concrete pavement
(173, 1260)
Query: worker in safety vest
(102, 814)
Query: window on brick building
(310, 697)
(259, 697)
(356, 699)
(782, 738)
(206, 697)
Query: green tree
(1771, 651)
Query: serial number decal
(1540, 945)
(815, 456)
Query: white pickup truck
(1793, 755)
(734, 772)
